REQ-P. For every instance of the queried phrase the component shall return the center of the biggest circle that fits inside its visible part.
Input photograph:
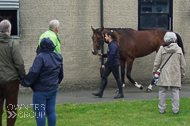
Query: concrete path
(130, 93)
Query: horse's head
(97, 39)
(5, 17)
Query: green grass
(120, 113)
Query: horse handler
(112, 64)
(172, 72)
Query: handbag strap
(165, 62)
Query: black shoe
(98, 94)
(163, 112)
(120, 95)
(176, 113)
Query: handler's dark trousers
(115, 72)
(162, 99)
(9, 92)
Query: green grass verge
(120, 113)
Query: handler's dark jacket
(112, 54)
(47, 70)
(11, 61)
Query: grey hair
(53, 24)
(170, 37)
(5, 26)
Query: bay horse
(133, 44)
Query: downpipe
(102, 24)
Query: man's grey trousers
(162, 98)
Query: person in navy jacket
(112, 64)
(43, 77)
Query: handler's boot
(120, 94)
(100, 92)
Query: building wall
(81, 68)
(181, 21)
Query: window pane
(11, 15)
(154, 6)
(153, 21)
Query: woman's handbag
(157, 73)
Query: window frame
(12, 5)
(169, 15)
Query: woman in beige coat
(172, 72)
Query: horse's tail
(180, 43)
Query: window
(9, 9)
(155, 14)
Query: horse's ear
(1, 18)
(9, 17)
(92, 28)
(101, 29)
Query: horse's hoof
(138, 85)
(148, 90)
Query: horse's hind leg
(149, 88)
(129, 68)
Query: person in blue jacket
(43, 77)
(112, 64)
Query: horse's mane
(126, 29)
(97, 30)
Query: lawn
(120, 113)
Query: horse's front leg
(122, 66)
(129, 68)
